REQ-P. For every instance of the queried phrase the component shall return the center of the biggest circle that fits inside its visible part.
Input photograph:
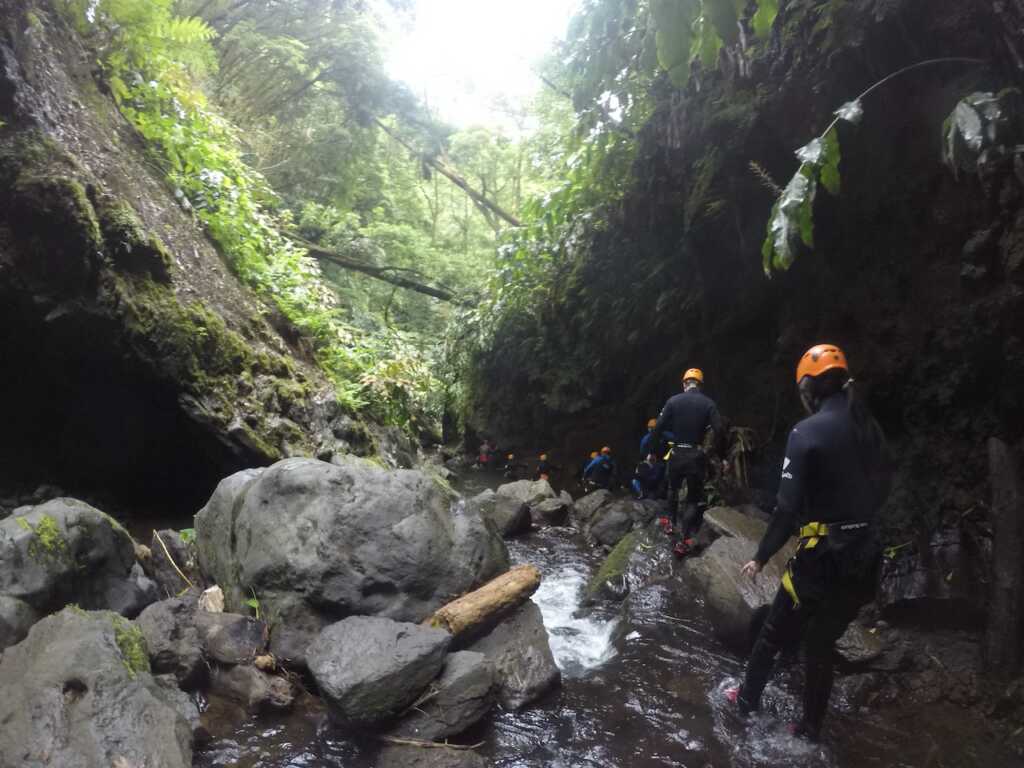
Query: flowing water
(643, 685)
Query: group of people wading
(835, 477)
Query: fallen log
(475, 609)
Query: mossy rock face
(128, 243)
(132, 644)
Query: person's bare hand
(751, 569)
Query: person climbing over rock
(835, 477)
(512, 470)
(581, 475)
(484, 456)
(601, 471)
(647, 477)
(688, 416)
(649, 445)
(544, 468)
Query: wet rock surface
(584, 508)
(370, 669)
(230, 638)
(252, 688)
(168, 545)
(453, 702)
(414, 757)
(78, 693)
(173, 641)
(519, 650)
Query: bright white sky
(461, 55)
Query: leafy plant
(254, 603)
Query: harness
(810, 535)
(673, 446)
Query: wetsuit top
(687, 416)
(824, 477)
(600, 464)
(649, 445)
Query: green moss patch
(132, 645)
(615, 564)
(48, 544)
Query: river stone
(318, 541)
(417, 757)
(553, 512)
(253, 689)
(173, 641)
(371, 668)
(519, 649)
(458, 699)
(584, 508)
(611, 522)
(72, 698)
(163, 572)
(730, 597)
(65, 551)
(529, 492)
(858, 645)
(127, 596)
(16, 619)
(510, 517)
(230, 638)
(727, 521)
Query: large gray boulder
(318, 541)
(554, 512)
(529, 492)
(369, 668)
(173, 641)
(731, 598)
(65, 551)
(585, 507)
(519, 649)
(510, 517)
(612, 521)
(77, 693)
(459, 698)
(231, 638)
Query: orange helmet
(606, 450)
(821, 358)
(696, 374)
(652, 423)
(543, 457)
(593, 454)
(511, 456)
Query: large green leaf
(830, 162)
(724, 16)
(673, 20)
(706, 42)
(791, 226)
(767, 10)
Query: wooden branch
(385, 274)
(494, 598)
(453, 176)
(430, 744)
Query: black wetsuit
(688, 416)
(825, 479)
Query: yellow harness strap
(813, 530)
(787, 584)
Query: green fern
(187, 31)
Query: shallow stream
(642, 686)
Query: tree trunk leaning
(1005, 632)
(478, 608)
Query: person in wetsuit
(601, 471)
(512, 470)
(688, 416)
(835, 477)
(649, 445)
(647, 477)
(544, 468)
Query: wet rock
(529, 492)
(173, 641)
(65, 551)
(370, 669)
(163, 571)
(942, 585)
(415, 757)
(612, 521)
(554, 512)
(731, 599)
(252, 688)
(185, 705)
(728, 521)
(610, 580)
(859, 645)
(317, 541)
(16, 619)
(455, 701)
(510, 517)
(519, 649)
(230, 638)
(78, 692)
(584, 508)
(127, 596)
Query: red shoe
(732, 695)
(666, 526)
(681, 550)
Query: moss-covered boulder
(78, 692)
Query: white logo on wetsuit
(786, 475)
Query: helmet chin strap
(810, 403)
